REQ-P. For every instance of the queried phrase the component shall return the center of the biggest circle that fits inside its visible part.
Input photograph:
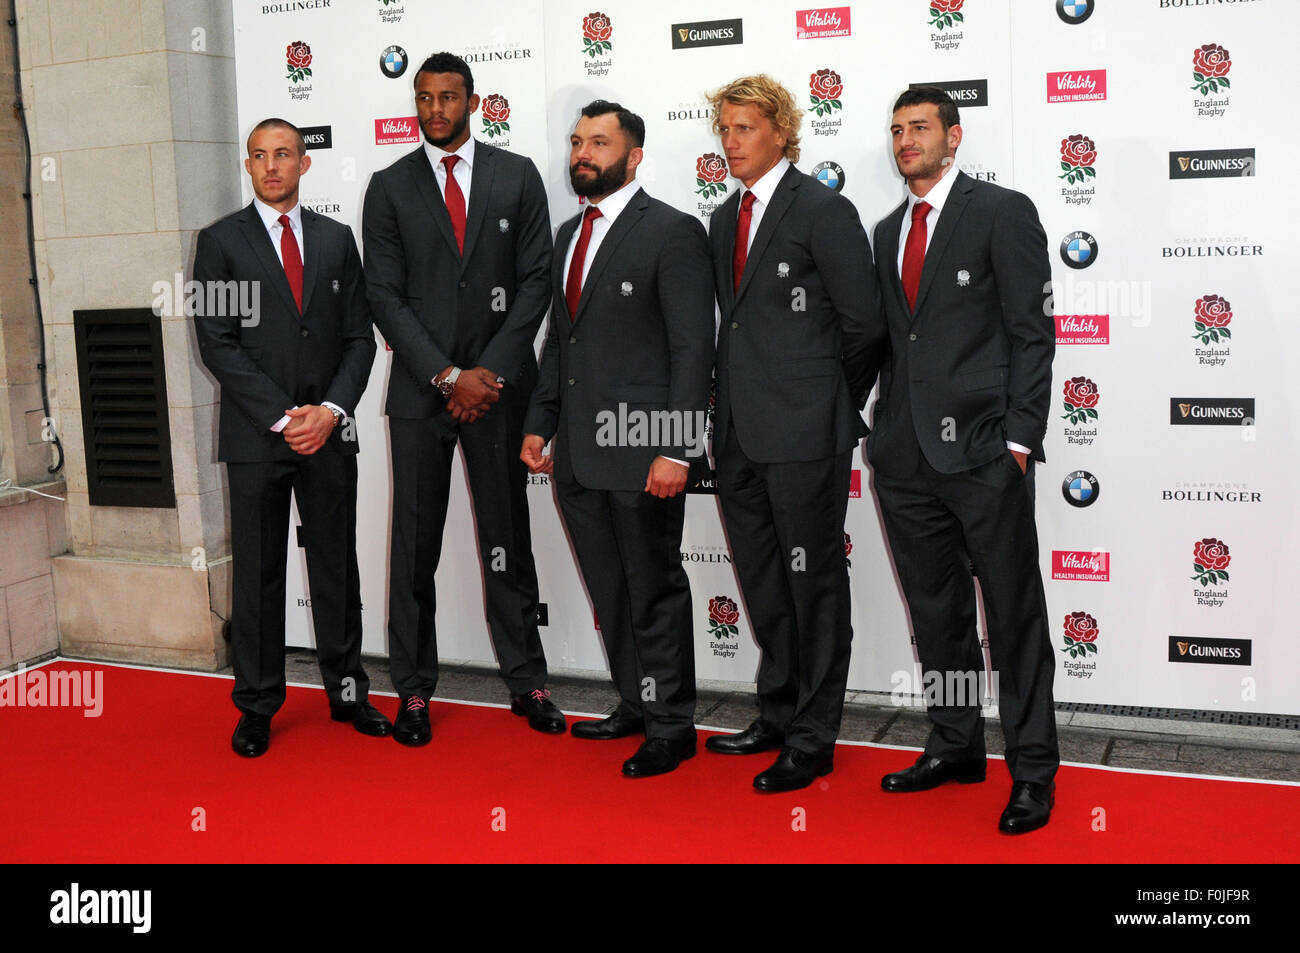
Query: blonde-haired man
(799, 345)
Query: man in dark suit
(291, 370)
(458, 255)
(630, 345)
(798, 348)
(962, 411)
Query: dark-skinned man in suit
(291, 375)
(630, 338)
(961, 417)
(458, 254)
(798, 348)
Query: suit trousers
(629, 549)
(785, 526)
(422, 451)
(940, 527)
(325, 487)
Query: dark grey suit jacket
(642, 337)
(436, 307)
(281, 358)
(972, 367)
(801, 341)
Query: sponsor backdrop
(1135, 127)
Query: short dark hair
(447, 63)
(628, 121)
(931, 94)
(276, 123)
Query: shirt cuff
(333, 406)
(1016, 446)
(680, 462)
(282, 422)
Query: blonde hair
(773, 101)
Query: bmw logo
(1081, 488)
(1074, 11)
(393, 62)
(829, 174)
(1078, 249)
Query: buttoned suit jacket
(971, 367)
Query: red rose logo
(826, 87)
(710, 171)
(848, 549)
(723, 611)
(1213, 315)
(1081, 396)
(1078, 153)
(1211, 60)
(1080, 635)
(496, 110)
(298, 58)
(944, 13)
(596, 31)
(1212, 554)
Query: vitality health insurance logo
(822, 22)
(1213, 315)
(1078, 158)
(1080, 565)
(1083, 329)
(946, 20)
(1211, 64)
(1081, 399)
(496, 112)
(297, 56)
(723, 631)
(596, 32)
(1210, 560)
(825, 87)
(1076, 86)
(395, 130)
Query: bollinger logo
(1081, 633)
(596, 31)
(710, 175)
(1078, 154)
(1081, 397)
(825, 88)
(496, 110)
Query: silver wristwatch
(448, 383)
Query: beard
(457, 128)
(607, 180)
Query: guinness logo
(683, 33)
(1184, 409)
(1182, 648)
(1183, 163)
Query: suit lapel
(427, 186)
(558, 274)
(958, 199)
(258, 239)
(782, 199)
(626, 221)
(890, 236)
(726, 215)
(480, 187)
(311, 237)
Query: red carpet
(123, 787)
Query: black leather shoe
(1029, 809)
(930, 772)
(618, 725)
(412, 725)
(364, 717)
(658, 756)
(758, 737)
(541, 711)
(252, 735)
(794, 769)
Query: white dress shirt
(763, 191)
(271, 219)
(937, 197)
(463, 170)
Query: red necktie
(742, 240)
(455, 200)
(292, 259)
(573, 284)
(914, 253)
